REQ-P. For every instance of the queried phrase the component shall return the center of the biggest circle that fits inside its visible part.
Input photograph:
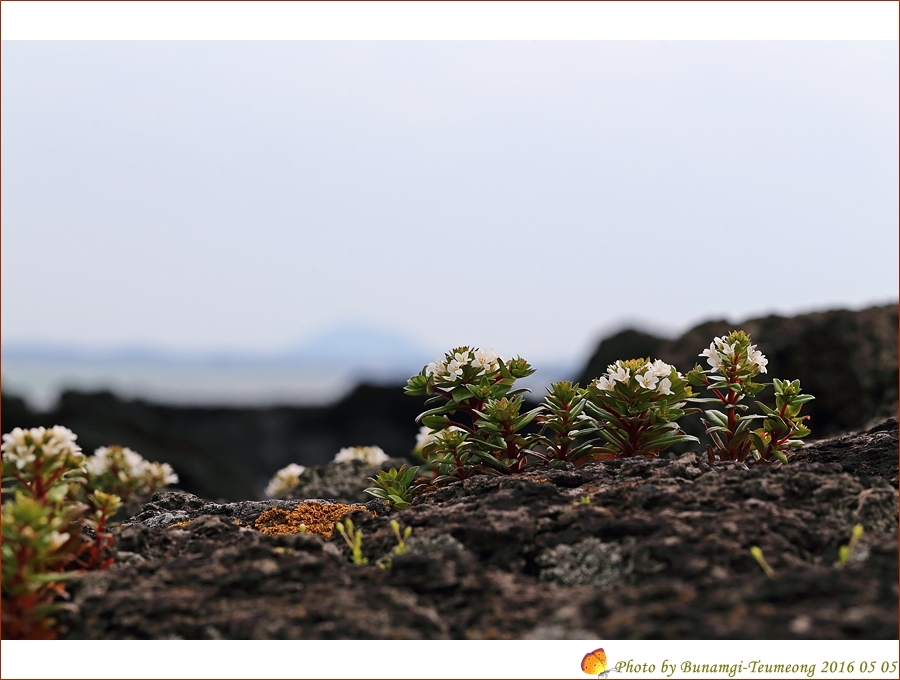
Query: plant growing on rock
(734, 362)
(845, 551)
(638, 404)
(782, 427)
(39, 541)
(395, 487)
(284, 480)
(387, 561)
(564, 426)
(44, 526)
(42, 461)
(353, 538)
(119, 470)
(370, 455)
(477, 384)
(103, 508)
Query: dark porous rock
(231, 453)
(175, 507)
(661, 550)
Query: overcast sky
(520, 195)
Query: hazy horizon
(319, 371)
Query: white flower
(665, 386)
(712, 355)
(660, 368)
(486, 359)
(436, 368)
(454, 369)
(424, 438)
(606, 384)
(462, 357)
(426, 435)
(127, 463)
(284, 480)
(619, 374)
(161, 474)
(757, 357)
(647, 381)
(373, 455)
(21, 446)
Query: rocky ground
(620, 549)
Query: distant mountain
(346, 347)
(363, 348)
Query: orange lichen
(318, 518)
(178, 524)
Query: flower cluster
(737, 356)
(477, 384)
(284, 480)
(370, 455)
(637, 404)
(461, 362)
(734, 362)
(123, 472)
(26, 447)
(58, 492)
(655, 376)
(426, 437)
(42, 459)
(565, 428)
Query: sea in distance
(316, 373)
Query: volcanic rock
(660, 549)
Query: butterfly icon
(594, 663)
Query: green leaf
(767, 410)
(488, 458)
(436, 422)
(669, 440)
(614, 437)
(758, 443)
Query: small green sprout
(395, 487)
(845, 551)
(565, 428)
(387, 561)
(353, 538)
(401, 538)
(584, 500)
(757, 553)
